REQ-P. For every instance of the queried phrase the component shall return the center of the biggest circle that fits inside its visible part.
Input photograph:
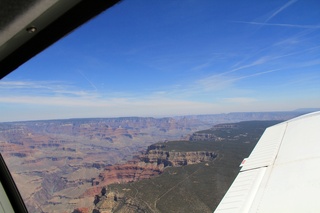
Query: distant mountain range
(247, 116)
(307, 110)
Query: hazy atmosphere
(164, 58)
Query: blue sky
(164, 58)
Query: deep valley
(141, 164)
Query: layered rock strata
(149, 164)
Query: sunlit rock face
(145, 166)
(149, 164)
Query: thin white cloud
(280, 10)
(60, 107)
(90, 82)
(256, 74)
(176, 100)
(289, 46)
(51, 85)
(309, 63)
(210, 60)
(25, 84)
(75, 93)
(202, 66)
(224, 82)
(280, 25)
(45, 88)
(221, 83)
(48, 100)
(303, 35)
(254, 54)
(215, 83)
(259, 61)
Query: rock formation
(149, 164)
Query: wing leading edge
(282, 174)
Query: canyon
(194, 177)
(61, 165)
(149, 164)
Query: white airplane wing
(282, 174)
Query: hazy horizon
(302, 110)
(176, 58)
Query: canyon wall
(149, 164)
